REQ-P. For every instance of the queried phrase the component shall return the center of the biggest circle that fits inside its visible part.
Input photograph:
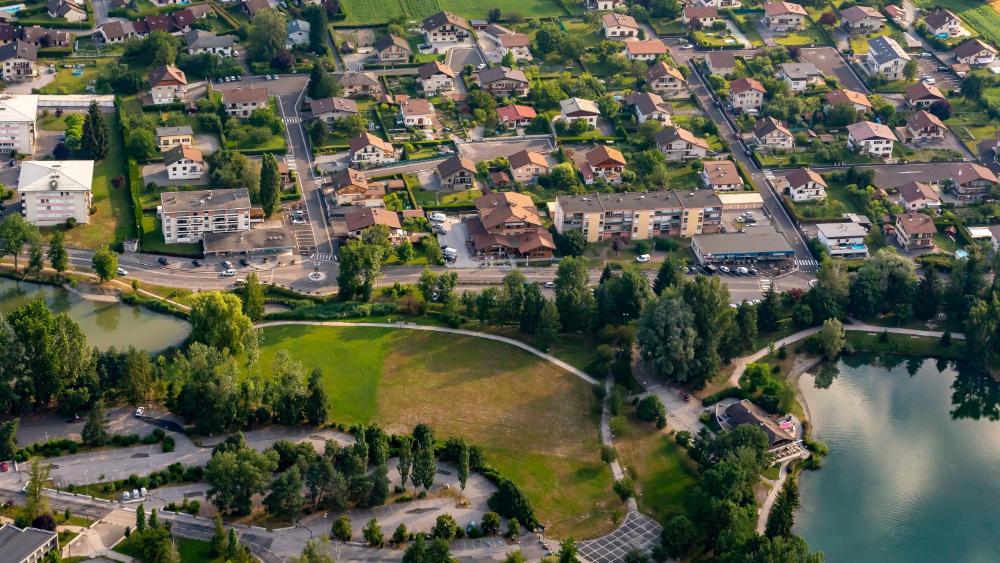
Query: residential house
(719, 4)
(367, 149)
(604, 5)
(799, 76)
(677, 143)
(649, 106)
(17, 61)
(418, 114)
(360, 84)
(896, 14)
(871, 138)
(392, 49)
(41, 37)
(943, 22)
(120, 31)
(576, 109)
(603, 162)
(516, 115)
(974, 52)
(170, 137)
(699, 16)
(297, 34)
(924, 127)
(436, 77)
(840, 96)
(168, 85)
(721, 176)
(184, 163)
(861, 19)
(508, 41)
(922, 95)
(240, 102)
(501, 81)
(843, 240)
(199, 41)
(804, 184)
(53, 191)
(771, 134)
(666, 80)
(644, 50)
(915, 231)
(619, 26)
(252, 7)
(27, 545)
(445, 27)
(526, 166)
(971, 181)
(17, 123)
(187, 216)
(456, 173)
(783, 16)
(721, 62)
(330, 110)
(350, 187)
(918, 196)
(639, 215)
(507, 225)
(885, 57)
(746, 94)
(65, 9)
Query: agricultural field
(535, 422)
(363, 12)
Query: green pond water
(914, 467)
(105, 324)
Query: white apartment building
(17, 123)
(187, 216)
(53, 191)
(843, 240)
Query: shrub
(625, 488)
(168, 444)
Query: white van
(643, 258)
(438, 216)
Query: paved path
(772, 495)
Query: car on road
(122, 272)
(724, 269)
(439, 229)
(244, 262)
(298, 221)
(550, 285)
(481, 66)
(687, 46)
(438, 216)
(743, 271)
(139, 411)
(196, 263)
(643, 258)
(163, 261)
(929, 81)
(227, 264)
(228, 273)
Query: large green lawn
(662, 471)
(191, 551)
(527, 9)
(534, 421)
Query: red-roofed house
(516, 115)
(746, 94)
(603, 162)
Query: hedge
(332, 310)
(727, 393)
(54, 52)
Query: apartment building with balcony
(639, 215)
(187, 216)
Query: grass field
(66, 83)
(525, 8)
(661, 470)
(368, 12)
(191, 551)
(436, 197)
(534, 422)
(981, 16)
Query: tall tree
(549, 325)
(405, 452)
(360, 270)
(372, 533)
(217, 320)
(14, 233)
(36, 503)
(235, 477)
(253, 297)
(316, 551)
(928, 295)
(321, 83)
(8, 438)
(782, 516)
(669, 275)
(574, 299)
(620, 298)
(218, 536)
(58, 257)
(531, 309)
(95, 431)
(463, 464)
(708, 300)
(317, 407)
(512, 294)
(667, 337)
(105, 263)
(266, 36)
(746, 325)
(285, 499)
(36, 258)
(140, 518)
(832, 338)
(767, 311)
(96, 139)
(270, 184)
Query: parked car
(196, 263)
(244, 262)
(227, 264)
(298, 221)
(228, 273)
(438, 216)
(4, 467)
(742, 271)
(724, 269)
(643, 258)
(139, 411)
(163, 261)
(122, 271)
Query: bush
(683, 439)
(625, 488)
(168, 444)
(608, 453)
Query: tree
(405, 453)
(910, 69)
(679, 536)
(317, 405)
(36, 258)
(832, 338)
(972, 86)
(651, 409)
(95, 141)
(399, 535)
(512, 294)
(14, 233)
(620, 298)
(360, 269)
(463, 464)
(285, 499)
(315, 551)
(372, 533)
(105, 263)
(420, 552)
(574, 299)
(342, 528)
(270, 184)
(746, 325)
(316, 16)
(154, 521)
(424, 466)
(253, 297)
(767, 311)
(36, 502)
(235, 477)
(548, 325)
(140, 518)
(667, 336)
(927, 298)
(95, 431)
(58, 257)
(669, 275)
(445, 527)
(8, 438)
(782, 516)
(321, 82)
(404, 251)
(266, 36)
(217, 320)
(142, 144)
(567, 551)
(218, 536)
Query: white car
(139, 411)
(298, 221)
(438, 216)
(742, 271)
(643, 258)
(687, 46)
(122, 272)
(724, 269)
(228, 273)
(481, 66)
(550, 285)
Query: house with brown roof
(746, 94)
(868, 137)
(783, 16)
(861, 19)
(974, 52)
(923, 95)
(644, 49)
(769, 133)
(456, 173)
(361, 219)
(721, 176)
(17, 61)
(603, 162)
(170, 137)
(971, 181)
(508, 41)
(65, 9)
(445, 27)
(119, 31)
(943, 22)
(241, 102)
(392, 49)
(800, 76)
(745, 413)
(721, 62)
(666, 80)
(436, 77)
(351, 187)
(677, 144)
(368, 150)
(576, 109)
(804, 184)
(915, 231)
(184, 162)
(924, 127)
(699, 16)
(604, 5)
(168, 84)
(917, 196)
(507, 225)
(516, 115)
(360, 84)
(253, 7)
(526, 166)
(329, 110)
(859, 101)
(619, 26)
(418, 114)
(650, 107)
(501, 81)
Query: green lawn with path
(534, 421)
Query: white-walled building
(843, 240)
(806, 185)
(17, 123)
(184, 163)
(53, 191)
(871, 138)
(187, 216)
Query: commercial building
(257, 241)
(26, 545)
(763, 243)
(843, 240)
(635, 215)
(17, 123)
(188, 216)
(53, 191)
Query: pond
(914, 467)
(105, 324)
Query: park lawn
(534, 422)
(661, 470)
(528, 9)
(66, 83)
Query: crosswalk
(806, 262)
(765, 284)
(290, 161)
(324, 256)
(291, 120)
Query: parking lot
(735, 220)
(637, 533)
(930, 67)
(488, 150)
(296, 219)
(456, 235)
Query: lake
(105, 324)
(914, 467)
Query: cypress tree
(270, 184)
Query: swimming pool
(12, 9)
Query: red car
(4, 467)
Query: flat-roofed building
(17, 123)
(635, 215)
(188, 216)
(257, 241)
(26, 545)
(763, 243)
(843, 240)
(53, 191)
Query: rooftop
(48, 175)
(721, 173)
(240, 242)
(841, 230)
(745, 412)
(19, 108)
(667, 199)
(17, 544)
(204, 200)
(885, 49)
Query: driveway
(830, 63)
(457, 236)
(458, 57)
(27, 86)
(206, 142)
(943, 79)
(157, 173)
(488, 150)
